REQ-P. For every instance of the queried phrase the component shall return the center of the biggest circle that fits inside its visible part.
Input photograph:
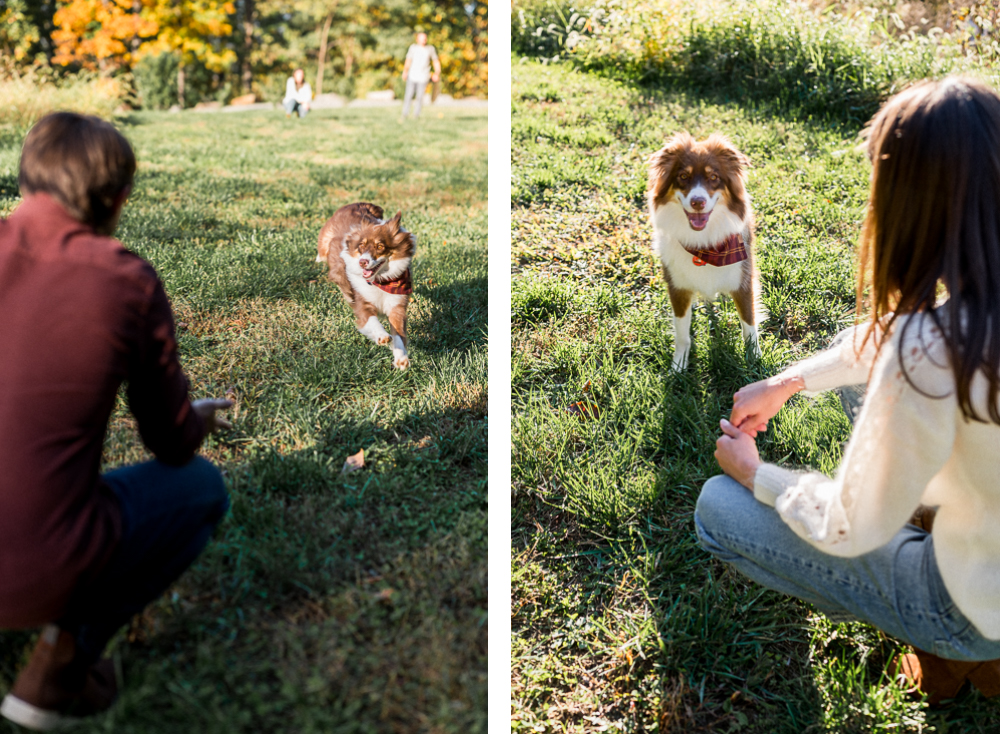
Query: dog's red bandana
(403, 285)
(730, 251)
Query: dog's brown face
(376, 247)
(698, 175)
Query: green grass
(326, 602)
(620, 621)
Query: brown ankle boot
(936, 677)
(923, 518)
(986, 678)
(54, 688)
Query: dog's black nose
(698, 203)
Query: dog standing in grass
(703, 231)
(369, 260)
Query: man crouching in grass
(82, 552)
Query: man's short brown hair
(81, 161)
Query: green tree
(193, 30)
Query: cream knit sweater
(906, 449)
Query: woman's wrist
(751, 475)
(788, 384)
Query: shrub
(156, 81)
(548, 28)
(779, 54)
(26, 99)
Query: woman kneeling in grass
(929, 432)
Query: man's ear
(121, 198)
(119, 202)
(108, 228)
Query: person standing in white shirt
(417, 73)
(860, 544)
(298, 94)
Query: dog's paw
(680, 361)
(384, 340)
(401, 363)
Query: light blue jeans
(414, 90)
(291, 105)
(897, 587)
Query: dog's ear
(663, 164)
(394, 222)
(728, 153)
(404, 242)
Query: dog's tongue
(367, 273)
(697, 220)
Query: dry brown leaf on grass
(584, 410)
(353, 463)
(385, 596)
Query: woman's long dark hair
(933, 220)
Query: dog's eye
(684, 176)
(713, 178)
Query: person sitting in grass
(83, 551)
(858, 546)
(298, 94)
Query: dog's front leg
(750, 333)
(680, 303)
(745, 307)
(397, 326)
(368, 324)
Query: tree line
(186, 51)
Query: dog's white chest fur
(671, 232)
(374, 295)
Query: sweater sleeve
(839, 364)
(903, 437)
(158, 389)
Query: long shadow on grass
(720, 633)
(457, 319)
(375, 579)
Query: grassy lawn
(620, 621)
(326, 602)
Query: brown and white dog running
(369, 259)
(703, 231)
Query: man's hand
(758, 402)
(206, 408)
(435, 76)
(737, 454)
(405, 74)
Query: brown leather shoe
(936, 677)
(54, 689)
(923, 518)
(986, 678)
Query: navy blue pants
(168, 515)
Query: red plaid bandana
(403, 285)
(731, 250)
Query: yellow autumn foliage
(109, 34)
(98, 33)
